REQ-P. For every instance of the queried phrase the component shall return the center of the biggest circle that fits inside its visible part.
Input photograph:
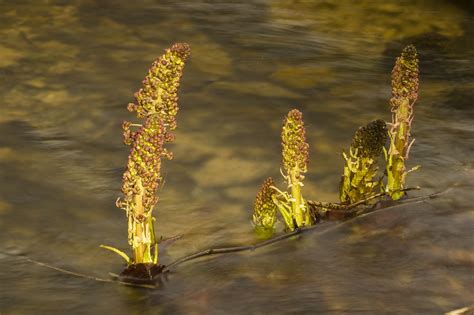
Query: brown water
(67, 71)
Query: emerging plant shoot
(292, 205)
(404, 96)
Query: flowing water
(68, 70)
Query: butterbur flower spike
(404, 95)
(157, 103)
(295, 163)
(357, 182)
(264, 215)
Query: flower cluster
(264, 215)
(404, 94)
(405, 78)
(160, 86)
(144, 161)
(360, 167)
(369, 140)
(295, 148)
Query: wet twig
(170, 240)
(224, 250)
(338, 206)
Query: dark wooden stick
(338, 206)
(224, 250)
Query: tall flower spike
(360, 167)
(404, 95)
(160, 86)
(264, 214)
(295, 163)
(157, 103)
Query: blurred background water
(67, 71)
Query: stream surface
(68, 70)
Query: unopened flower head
(295, 147)
(264, 214)
(405, 77)
(144, 162)
(369, 140)
(160, 86)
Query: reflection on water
(67, 71)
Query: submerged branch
(169, 240)
(338, 206)
(224, 250)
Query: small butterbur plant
(295, 152)
(359, 180)
(264, 214)
(404, 95)
(157, 104)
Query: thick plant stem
(396, 175)
(398, 146)
(296, 199)
(298, 204)
(142, 236)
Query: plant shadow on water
(67, 71)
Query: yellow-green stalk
(157, 103)
(360, 168)
(404, 95)
(294, 208)
(264, 214)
